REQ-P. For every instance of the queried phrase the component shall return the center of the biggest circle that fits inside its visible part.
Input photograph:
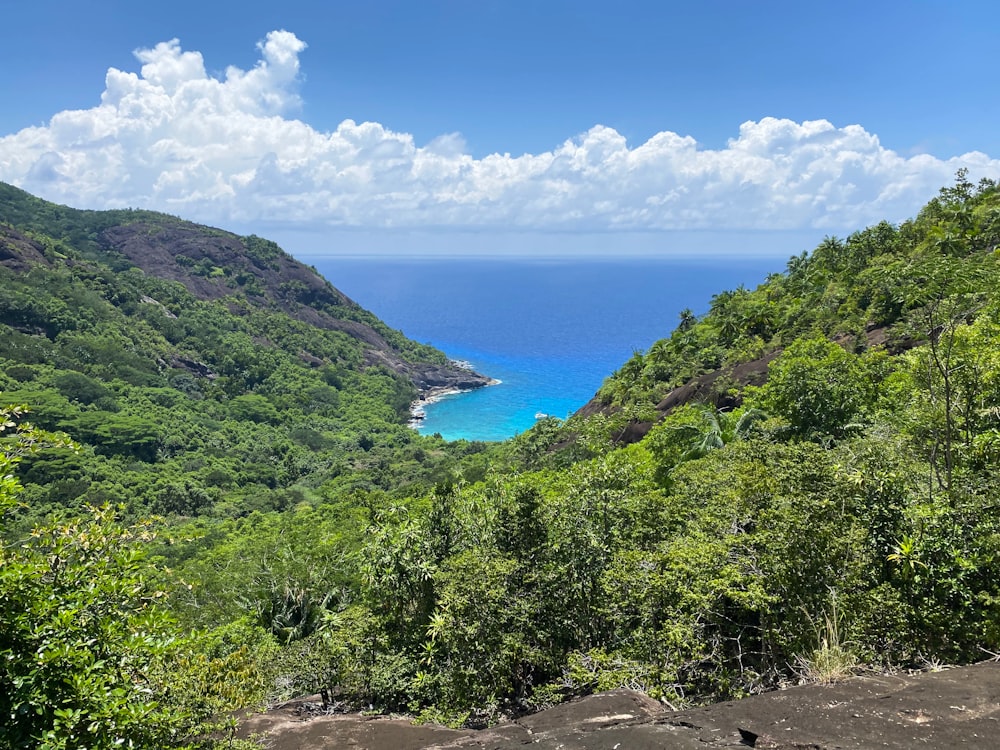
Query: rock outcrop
(957, 707)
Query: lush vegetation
(191, 406)
(91, 655)
(842, 512)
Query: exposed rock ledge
(432, 380)
(951, 708)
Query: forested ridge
(821, 499)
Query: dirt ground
(951, 708)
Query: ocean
(550, 331)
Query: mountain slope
(864, 291)
(823, 496)
(213, 264)
(148, 338)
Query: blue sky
(503, 127)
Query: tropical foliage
(827, 501)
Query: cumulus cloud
(229, 149)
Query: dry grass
(833, 659)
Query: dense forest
(211, 498)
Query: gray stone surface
(952, 708)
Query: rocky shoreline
(459, 378)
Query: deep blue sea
(551, 331)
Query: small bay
(551, 331)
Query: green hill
(201, 369)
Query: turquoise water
(550, 331)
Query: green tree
(89, 656)
(821, 389)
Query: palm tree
(688, 319)
(721, 428)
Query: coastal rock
(951, 708)
(452, 377)
(436, 381)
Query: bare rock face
(952, 708)
(18, 252)
(430, 378)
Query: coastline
(435, 394)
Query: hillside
(873, 289)
(199, 369)
(798, 486)
(212, 264)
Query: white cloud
(224, 150)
